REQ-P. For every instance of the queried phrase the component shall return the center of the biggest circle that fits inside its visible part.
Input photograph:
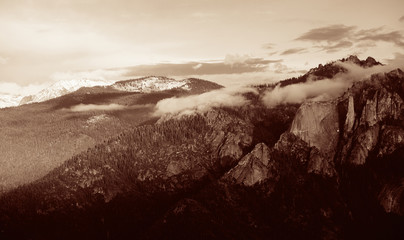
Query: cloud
(336, 37)
(397, 61)
(394, 37)
(226, 97)
(99, 74)
(235, 59)
(338, 46)
(298, 93)
(16, 89)
(292, 51)
(94, 107)
(332, 33)
(322, 89)
(197, 66)
(268, 46)
(232, 64)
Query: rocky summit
(329, 169)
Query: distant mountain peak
(9, 100)
(329, 70)
(161, 83)
(150, 84)
(61, 88)
(369, 62)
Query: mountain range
(319, 168)
(38, 137)
(63, 87)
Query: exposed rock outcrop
(231, 134)
(392, 198)
(391, 139)
(255, 167)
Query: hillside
(38, 137)
(328, 169)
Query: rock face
(317, 124)
(391, 198)
(362, 128)
(366, 108)
(255, 167)
(231, 135)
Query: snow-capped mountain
(141, 85)
(61, 88)
(8, 100)
(151, 84)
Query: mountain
(61, 88)
(150, 84)
(329, 70)
(141, 85)
(9, 100)
(38, 137)
(318, 170)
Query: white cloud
(197, 66)
(298, 93)
(16, 89)
(94, 107)
(235, 59)
(225, 97)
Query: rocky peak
(254, 167)
(369, 62)
(353, 59)
(357, 120)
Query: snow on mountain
(8, 100)
(61, 88)
(142, 85)
(151, 84)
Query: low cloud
(322, 89)
(397, 61)
(293, 51)
(235, 59)
(197, 66)
(226, 97)
(94, 107)
(298, 93)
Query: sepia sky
(43, 41)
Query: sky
(229, 42)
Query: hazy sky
(43, 41)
